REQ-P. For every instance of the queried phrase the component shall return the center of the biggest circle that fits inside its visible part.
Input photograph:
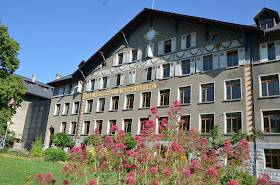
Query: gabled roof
(62, 80)
(147, 14)
(266, 10)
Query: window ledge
(72, 134)
(143, 108)
(181, 76)
(87, 112)
(55, 115)
(259, 63)
(232, 67)
(84, 135)
(233, 100)
(164, 78)
(116, 87)
(74, 114)
(267, 97)
(127, 109)
(202, 72)
(99, 112)
(186, 104)
(64, 115)
(271, 134)
(113, 110)
(164, 106)
(208, 102)
(148, 81)
(130, 84)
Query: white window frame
(55, 109)
(190, 119)
(141, 99)
(125, 101)
(200, 92)
(86, 107)
(157, 123)
(260, 84)
(262, 123)
(111, 103)
(73, 107)
(95, 124)
(70, 127)
(139, 124)
(225, 89)
(158, 103)
(83, 130)
(225, 120)
(108, 124)
(171, 45)
(64, 106)
(178, 94)
(65, 126)
(199, 125)
(98, 104)
(131, 124)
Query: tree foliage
(62, 140)
(11, 87)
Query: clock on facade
(151, 34)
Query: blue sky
(56, 35)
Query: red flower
(154, 110)
(233, 182)
(154, 170)
(166, 172)
(66, 182)
(92, 182)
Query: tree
(11, 87)
(62, 140)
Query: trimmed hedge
(55, 154)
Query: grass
(14, 169)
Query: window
(271, 51)
(66, 108)
(233, 122)
(92, 83)
(185, 95)
(271, 120)
(167, 46)
(118, 79)
(233, 90)
(142, 122)
(186, 67)
(266, 23)
(189, 41)
(215, 37)
(101, 106)
(146, 99)
(76, 108)
(207, 92)
(104, 84)
(57, 110)
(89, 105)
(208, 63)
(164, 97)
(115, 103)
(129, 101)
(270, 85)
(207, 123)
(73, 128)
(120, 58)
(86, 127)
(186, 125)
(112, 123)
(160, 121)
(148, 73)
(70, 89)
(99, 125)
(63, 127)
(131, 77)
(166, 70)
(232, 58)
(272, 158)
(127, 125)
(134, 55)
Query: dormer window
(120, 56)
(267, 23)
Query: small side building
(32, 116)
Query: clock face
(151, 34)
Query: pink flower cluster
(44, 180)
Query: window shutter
(159, 71)
(172, 66)
(115, 80)
(125, 55)
(129, 77)
(60, 90)
(115, 60)
(277, 50)
(99, 86)
(66, 89)
(223, 59)
(129, 56)
(73, 87)
(193, 37)
(177, 69)
(192, 66)
(139, 54)
(150, 50)
(183, 42)
(95, 84)
(199, 64)
(160, 48)
(173, 44)
(154, 73)
(108, 81)
(122, 78)
(241, 56)
(133, 77)
(80, 87)
(145, 74)
(215, 61)
(263, 53)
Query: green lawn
(13, 170)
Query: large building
(223, 73)
(31, 118)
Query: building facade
(222, 73)
(31, 118)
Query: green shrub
(244, 178)
(55, 154)
(37, 147)
(130, 141)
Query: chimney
(58, 76)
(33, 78)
